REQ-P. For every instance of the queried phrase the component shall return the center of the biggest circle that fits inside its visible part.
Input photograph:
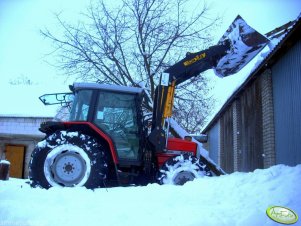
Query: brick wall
(21, 125)
(236, 134)
(219, 145)
(268, 119)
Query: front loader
(106, 141)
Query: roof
(117, 88)
(284, 40)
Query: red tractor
(106, 140)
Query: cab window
(116, 115)
(81, 105)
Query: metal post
(4, 170)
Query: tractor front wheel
(180, 169)
(68, 159)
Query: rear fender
(50, 127)
(91, 129)
(85, 127)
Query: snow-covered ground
(235, 199)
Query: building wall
(265, 116)
(268, 128)
(27, 142)
(226, 141)
(251, 155)
(214, 143)
(25, 126)
(286, 74)
(245, 140)
(20, 131)
(241, 131)
(237, 134)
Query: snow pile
(235, 199)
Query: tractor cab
(116, 111)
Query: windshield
(80, 106)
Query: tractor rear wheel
(68, 159)
(180, 169)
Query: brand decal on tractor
(195, 59)
(282, 215)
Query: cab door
(116, 115)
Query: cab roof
(116, 88)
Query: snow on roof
(23, 100)
(253, 67)
(125, 89)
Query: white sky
(23, 48)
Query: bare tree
(21, 80)
(133, 43)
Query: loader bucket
(245, 44)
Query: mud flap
(245, 44)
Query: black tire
(180, 169)
(68, 159)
